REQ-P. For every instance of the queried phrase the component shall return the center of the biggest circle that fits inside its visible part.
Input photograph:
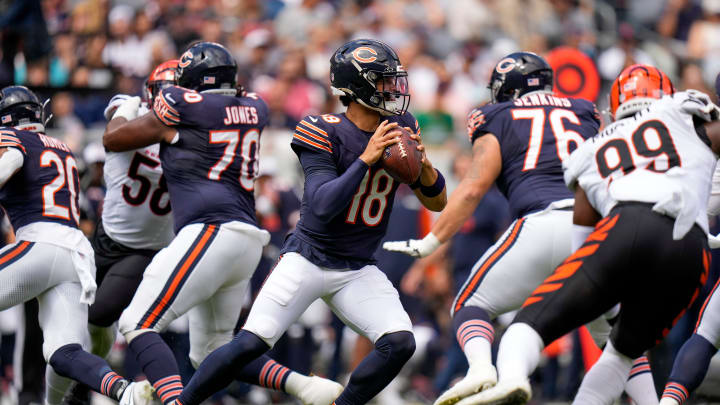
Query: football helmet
(20, 107)
(637, 87)
(164, 75)
(207, 66)
(519, 73)
(369, 72)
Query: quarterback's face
(392, 87)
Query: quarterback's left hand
(414, 247)
(428, 174)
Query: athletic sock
(158, 364)
(267, 373)
(378, 368)
(519, 352)
(690, 367)
(640, 386)
(606, 379)
(474, 333)
(73, 362)
(221, 367)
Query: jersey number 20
(66, 177)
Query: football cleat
(514, 392)
(478, 378)
(319, 391)
(137, 393)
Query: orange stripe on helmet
(639, 81)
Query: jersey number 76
(563, 136)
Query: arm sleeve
(576, 165)
(10, 162)
(326, 193)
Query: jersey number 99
(650, 140)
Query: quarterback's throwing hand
(414, 247)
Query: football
(402, 160)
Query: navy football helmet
(19, 106)
(517, 74)
(207, 66)
(369, 72)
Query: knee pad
(397, 346)
(202, 343)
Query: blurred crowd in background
(80, 53)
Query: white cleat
(515, 392)
(478, 378)
(138, 393)
(319, 391)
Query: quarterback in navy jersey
(519, 142)
(209, 137)
(344, 214)
(51, 259)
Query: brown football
(402, 160)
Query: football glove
(700, 105)
(114, 104)
(128, 109)
(415, 247)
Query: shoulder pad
(313, 132)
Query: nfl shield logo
(534, 81)
(6, 118)
(209, 80)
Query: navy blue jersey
(45, 189)
(536, 133)
(211, 168)
(350, 238)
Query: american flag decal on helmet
(209, 80)
(533, 81)
(475, 119)
(6, 118)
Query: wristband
(436, 188)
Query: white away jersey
(655, 156)
(136, 211)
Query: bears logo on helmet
(635, 88)
(517, 74)
(207, 66)
(185, 59)
(369, 72)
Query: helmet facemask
(391, 95)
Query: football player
(344, 215)
(51, 259)
(209, 137)
(692, 361)
(135, 224)
(519, 142)
(641, 193)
